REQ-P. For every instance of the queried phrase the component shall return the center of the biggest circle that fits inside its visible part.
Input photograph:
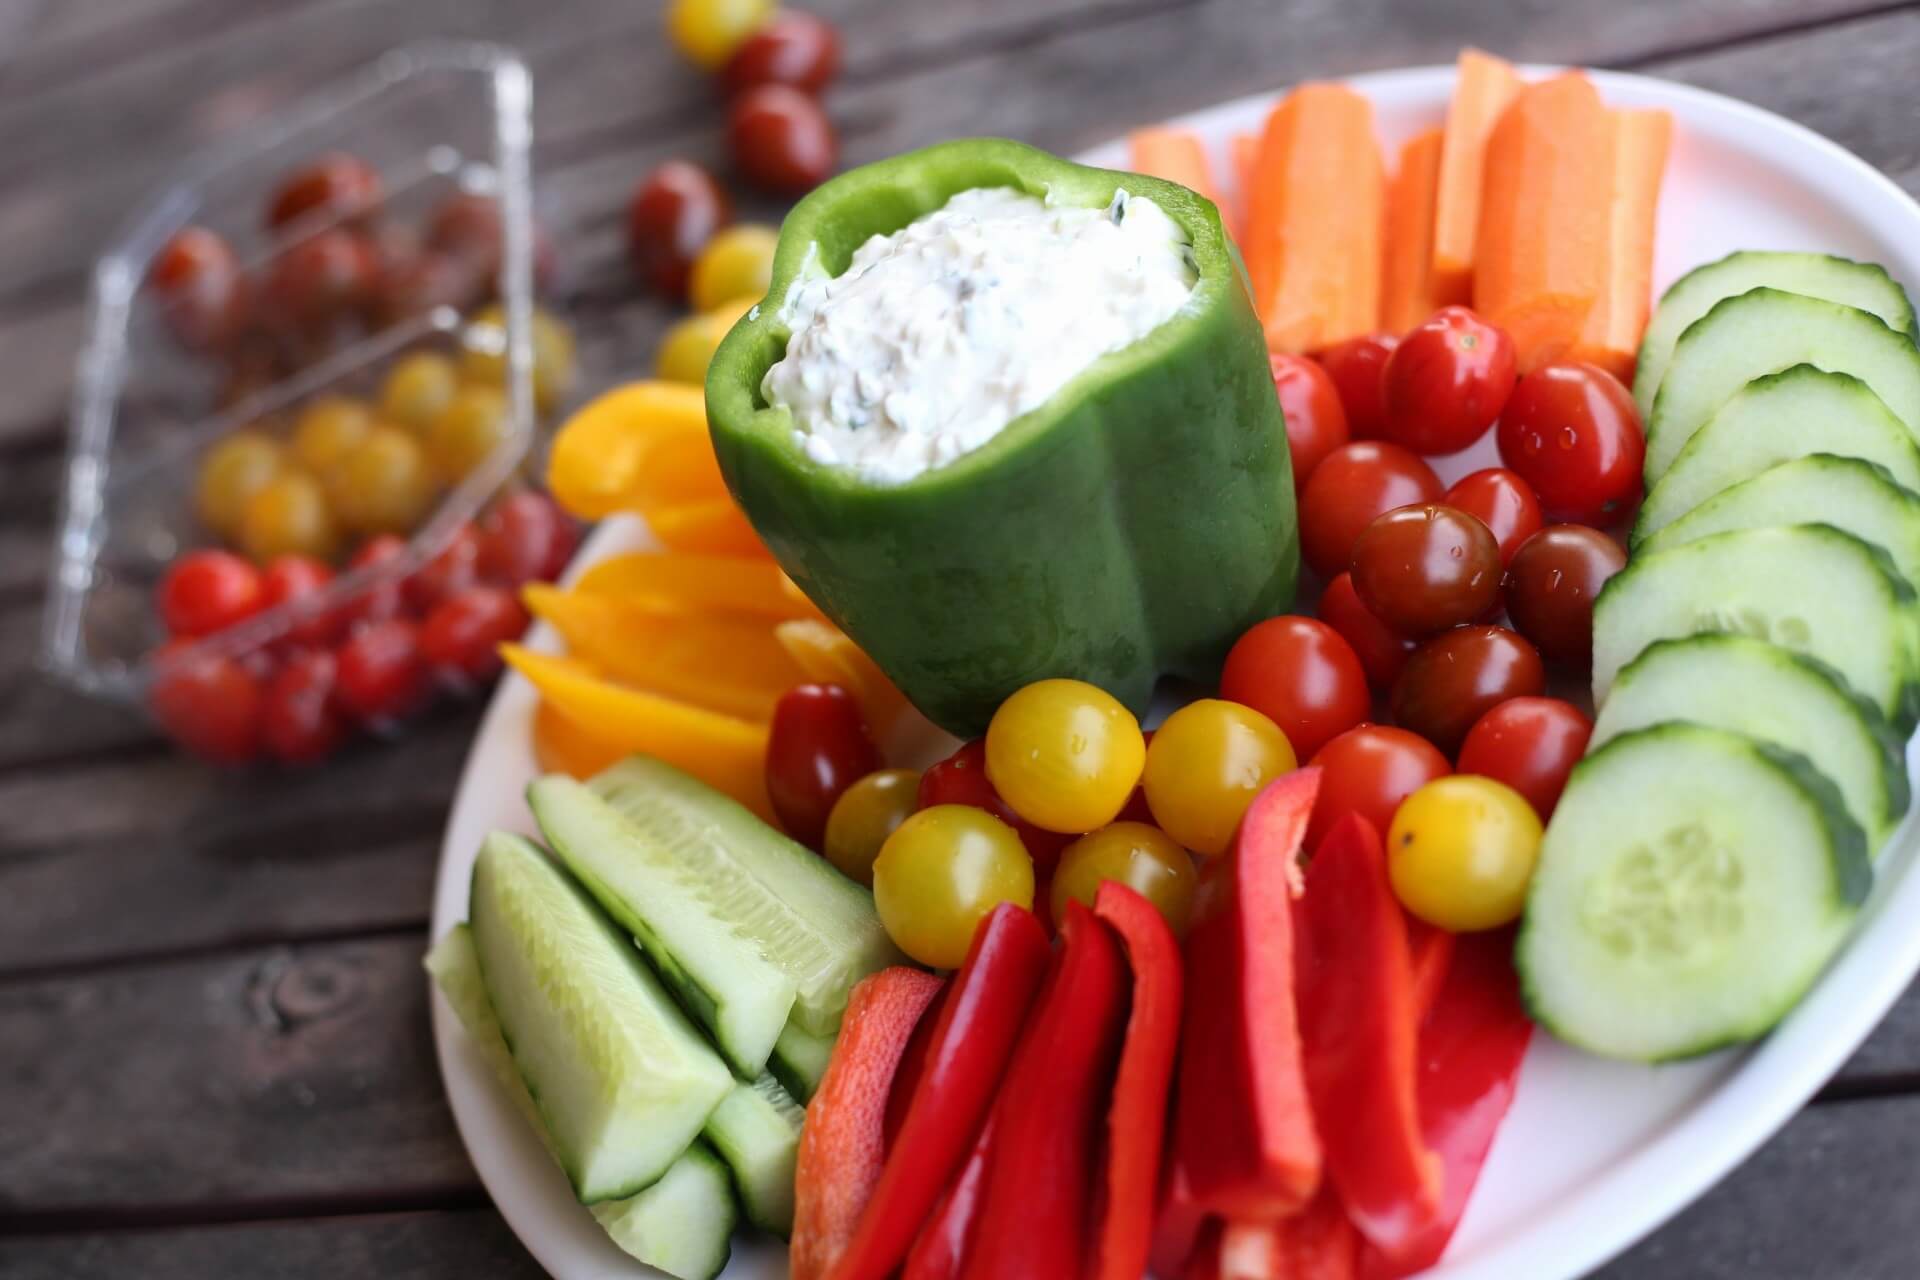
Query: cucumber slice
(756, 1130)
(1764, 331)
(1817, 275)
(800, 1060)
(622, 1080)
(682, 1224)
(816, 926)
(1691, 886)
(679, 912)
(1774, 419)
(456, 970)
(1763, 691)
(1853, 496)
(1809, 588)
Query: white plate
(1594, 1154)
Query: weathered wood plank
(393, 1246)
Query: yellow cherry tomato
(688, 346)
(327, 428)
(417, 389)
(1461, 852)
(939, 875)
(708, 31)
(232, 472)
(289, 516)
(1205, 766)
(384, 484)
(483, 356)
(1145, 859)
(737, 263)
(864, 816)
(475, 423)
(1065, 754)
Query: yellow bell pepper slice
(825, 653)
(562, 746)
(712, 527)
(732, 584)
(722, 751)
(621, 441)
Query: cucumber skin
(615, 1217)
(799, 1061)
(765, 1194)
(1852, 868)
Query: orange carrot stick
(1315, 220)
(1174, 154)
(1244, 152)
(1483, 87)
(1611, 338)
(1409, 287)
(1541, 264)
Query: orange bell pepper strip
(722, 662)
(734, 584)
(842, 1145)
(724, 752)
(561, 746)
(1410, 290)
(1611, 338)
(1483, 87)
(827, 656)
(615, 443)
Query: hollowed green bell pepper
(1132, 526)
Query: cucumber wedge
(1809, 588)
(816, 926)
(456, 971)
(1764, 331)
(756, 1130)
(622, 1080)
(715, 968)
(1763, 691)
(1853, 496)
(1817, 275)
(682, 1224)
(800, 1060)
(1691, 886)
(1775, 419)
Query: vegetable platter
(1594, 1152)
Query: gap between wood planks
(58, 1221)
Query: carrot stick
(1611, 338)
(1483, 87)
(1244, 152)
(1173, 154)
(1315, 220)
(1409, 288)
(1541, 264)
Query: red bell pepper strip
(1318, 1243)
(1178, 1226)
(1036, 1206)
(1203, 1259)
(1431, 951)
(940, 1250)
(1137, 1120)
(842, 1144)
(1244, 1143)
(1360, 1030)
(978, 1021)
(1471, 1048)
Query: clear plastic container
(432, 119)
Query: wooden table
(214, 1047)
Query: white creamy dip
(937, 336)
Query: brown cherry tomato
(415, 285)
(1424, 568)
(316, 282)
(1369, 770)
(1351, 486)
(1447, 382)
(790, 48)
(1316, 424)
(1356, 367)
(1458, 676)
(526, 537)
(1531, 744)
(201, 289)
(817, 746)
(1573, 432)
(864, 816)
(1302, 675)
(335, 186)
(673, 213)
(1381, 649)
(780, 139)
(1552, 584)
(1503, 502)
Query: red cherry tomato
(780, 139)
(300, 722)
(384, 600)
(201, 289)
(321, 280)
(291, 578)
(1351, 486)
(1427, 567)
(466, 228)
(1356, 367)
(1300, 674)
(1369, 770)
(1316, 424)
(334, 184)
(1382, 650)
(1571, 430)
(790, 48)
(1458, 676)
(1500, 500)
(962, 779)
(1447, 382)
(209, 705)
(381, 675)
(1552, 584)
(674, 212)
(526, 537)
(1531, 744)
(461, 638)
(454, 569)
(207, 591)
(817, 746)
